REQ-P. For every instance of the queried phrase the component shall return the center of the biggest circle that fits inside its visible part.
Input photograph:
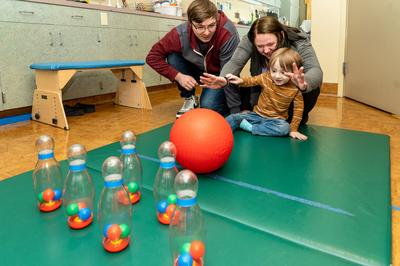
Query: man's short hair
(200, 10)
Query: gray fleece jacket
(246, 50)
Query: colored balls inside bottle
(197, 249)
(185, 248)
(133, 187)
(125, 230)
(48, 194)
(171, 199)
(72, 209)
(84, 214)
(185, 260)
(162, 206)
(57, 194)
(114, 232)
(170, 210)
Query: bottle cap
(44, 142)
(112, 169)
(186, 185)
(128, 137)
(167, 149)
(77, 152)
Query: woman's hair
(269, 24)
(200, 10)
(286, 57)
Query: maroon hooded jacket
(182, 40)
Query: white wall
(327, 36)
(294, 13)
(242, 7)
(236, 6)
(342, 46)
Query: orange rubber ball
(48, 194)
(197, 249)
(203, 140)
(114, 232)
(170, 210)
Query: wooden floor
(18, 154)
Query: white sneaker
(189, 104)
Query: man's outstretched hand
(212, 81)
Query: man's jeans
(261, 125)
(209, 98)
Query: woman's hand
(188, 82)
(212, 81)
(297, 77)
(234, 79)
(297, 135)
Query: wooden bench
(51, 78)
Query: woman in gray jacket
(266, 35)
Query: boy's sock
(245, 125)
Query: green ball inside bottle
(133, 187)
(72, 209)
(40, 197)
(125, 230)
(185, 248)
(171, 199)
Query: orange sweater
(274, 100)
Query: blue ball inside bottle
(185, 260)
(84, 214)
(105, 229)
(162, 206)
(57, 194)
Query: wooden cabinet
(21, 45)
(39, 32)
(28, 12)
(1, 94)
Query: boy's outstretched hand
(234, 79)
(297, 135)
(212, 81)
(297, 77)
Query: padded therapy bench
(51, 78)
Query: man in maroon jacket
(202, 44)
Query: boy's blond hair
(286, 58)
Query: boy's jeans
(261, 126)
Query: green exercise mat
(33, 238)
(277, 201)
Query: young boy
(269, 115)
